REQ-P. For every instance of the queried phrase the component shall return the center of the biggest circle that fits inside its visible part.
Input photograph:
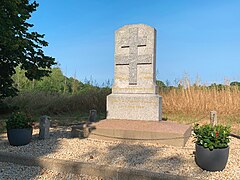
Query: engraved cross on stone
(133, 59)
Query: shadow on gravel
(131, 154)
(171, 163)
(138, 156)
(124, 154)
(2, 140)
(36, 148)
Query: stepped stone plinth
(134, 109)
(165, 132)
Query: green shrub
(39, 103)
(19, 120)
(212, 137)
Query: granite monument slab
(134, 92)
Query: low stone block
(92, 116)
(80, 131)
(164, 132)
(44, 126)
(134, 107)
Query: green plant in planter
(19, 120)
(212, 137)
(19, 129)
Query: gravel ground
(18, 172)
(135, 155)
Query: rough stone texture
(44, 126)
(135, 75)
(134, 106)
(71, 168)
(135, 60)
(213, 118)
(164, 132)
(80, 131)
(92, 115)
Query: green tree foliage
(161, 84)
(164, 87)
(219, 87)
(56, 82)
(56, 94)
(235, 83)
(59, 83)
(20, 47)
(53, 83)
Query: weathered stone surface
(134, 106)
(135, 93)
(83, 168)
(44, 126)
(213, 118)
(80, 131)
(135, 59)
(164, 132)
(92, 115)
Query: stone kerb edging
(85, 168)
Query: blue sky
(194, 37)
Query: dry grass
(188, 104)
(201, 100)
(194, 103)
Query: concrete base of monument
(165, 132)
(146, 107)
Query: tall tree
(19, 46)
(53, 83)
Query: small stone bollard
(92, 116)
(213, 118)
(44, 126)
(80, 131)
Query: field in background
(194, 103)
(185, 104)
(200, 100)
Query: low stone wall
(85, 168)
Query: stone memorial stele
(213, 118)
(135, 94)
(92, 115)
(44, 126)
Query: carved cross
(133, 59)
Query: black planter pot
(19, 137)
(214, 160)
